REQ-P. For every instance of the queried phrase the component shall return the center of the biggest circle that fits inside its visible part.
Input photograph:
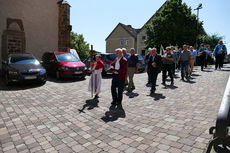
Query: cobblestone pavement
(60, 116)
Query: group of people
(125, 66)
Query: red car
(63, 65)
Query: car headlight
(64, 68)
(42, 71)
(13, 73)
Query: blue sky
(96, 19)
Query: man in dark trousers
(154, 67)
(147, 69)
(167, 60)
(219, 50)
(119, 67)
(203, 56)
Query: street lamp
(197, 26)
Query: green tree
(173, 24)
(80, 45)
(211, 40)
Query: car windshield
(23, 60)
(67, 58)
(111, 57)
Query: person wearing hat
(119, 69)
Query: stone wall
(64, 27)
(40, 23)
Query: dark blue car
(23, 67)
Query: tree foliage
(173, 24)
(80, 45)
(211, 40)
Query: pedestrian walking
(219, 50)
(202, 56)
(154, 66)
(192, 59)
(146, 63)
(184, 60)
(119, 68)
(124, 52)
(132, 68)
(95, 78)
(167, 60)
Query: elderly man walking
(184, 60)
(154, 66)
(219, 50)
(132, 68)
(119, 67)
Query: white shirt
(117, 64)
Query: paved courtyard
(60, 116)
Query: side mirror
(4, 62)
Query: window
(127, 43)
(121, 43)
(143, 52)
(143, 38)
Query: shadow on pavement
(225, 70)
(113, 115)
(131, 94)
(157, 96)
(170, 87)
(90, 103)
(195, 75)
(207, 71)
(19, 86)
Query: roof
(132, 31)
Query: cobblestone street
(61, 116)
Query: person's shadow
(113, 115)
(90, 103)
(157, 96)
(131, 94)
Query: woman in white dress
(95, 78)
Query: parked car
(23, 67)
(63, 65)
(107, 58)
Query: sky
(96, 19)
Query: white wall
(40, 21)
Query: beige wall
(40, 21)
(119, 34)
(140, 43)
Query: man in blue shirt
(202, 56)
(192, 59)
(219, 52)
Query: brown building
(128, 37)
(34, 26)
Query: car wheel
(58, 76)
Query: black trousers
(153, 78)
(117, 90)
(218, 63)
(202, 63)
(167, 68)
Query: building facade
(29, 26)
(126, 33)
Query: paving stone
(49, 118)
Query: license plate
(78, 72)
(30, 77)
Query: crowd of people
(125, 66)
